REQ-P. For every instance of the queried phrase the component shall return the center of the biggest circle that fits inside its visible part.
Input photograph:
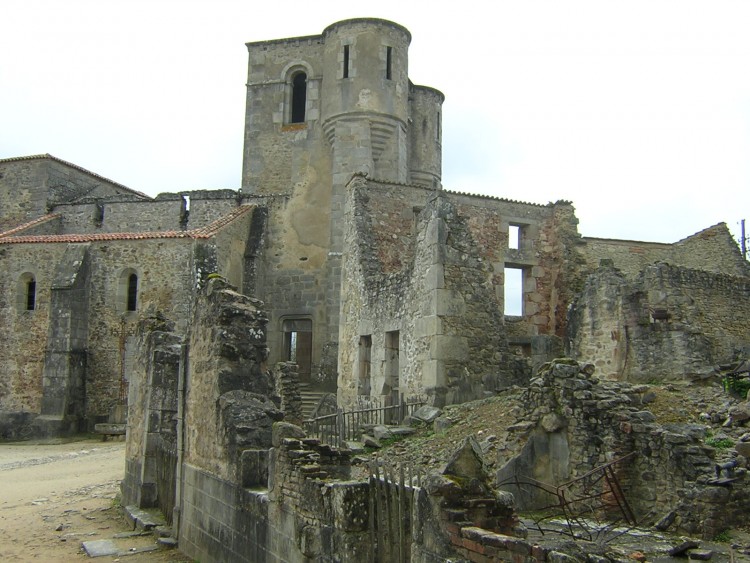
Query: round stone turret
(365, 98)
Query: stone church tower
(320, 109)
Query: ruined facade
(376, 281)
(342, 265)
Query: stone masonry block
(435, 277)
(433, 373)
(451, 348)
(445, 302)
(428, 326)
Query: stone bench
(107, 429)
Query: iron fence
(335, 428)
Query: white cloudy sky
(637, 111)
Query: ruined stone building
(376, 281)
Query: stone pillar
(65, 359)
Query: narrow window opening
(388, 61)
(297, 345)
(346, 62)
(299, 97)
(99, 214)
(31, 295)
(185, 211)
(437, 131)
(132, 292)
(392, 369)
(365, 354)
(514, 236)
(513, 290)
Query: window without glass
(31, 294)
(26, 292)
(132, 303)
(363, 368)
(299, 97)
(345, 74)
(388, 62)
(297, 345)
(514, 236)
(513, 291)
(392, 367)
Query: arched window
(299, 97)
(26, 299)
(127, 290)
(132, 292)
(31, 294)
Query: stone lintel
(451, 348)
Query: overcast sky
(637, 111)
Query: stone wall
(712, 249)
(30, 185)
(575, 423)
(153, 434)
(227, 374)
(429, 267)
(96, 327)
(667, 323)
(292, 272)
(24, 332)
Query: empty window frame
(128, 287)
(388, 63)
(364, 364)
(345, 72)
(26, 292)
(132, 295)
(299, 97)
(514, 236)
(513, 291)
(392, 367)
(297, 345)
(31, 294)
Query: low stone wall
(575, 423)
(222, 521)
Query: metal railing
(333, 429)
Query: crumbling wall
(574, 423)
(228, 371)
(712, 249)
(668, 323)
(153, 416)
(428, 267)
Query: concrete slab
(100, 548)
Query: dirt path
(53, 496)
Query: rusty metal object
(596, 492)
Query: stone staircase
(309, 399)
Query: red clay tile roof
(202, 233)
(34, 223)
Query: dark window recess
(132, 292)
(437, 131)
(299, 97)
(346, 62)
(365, 353)
(99, 214)
(31, 295)
(298, 345)
(388, 62)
